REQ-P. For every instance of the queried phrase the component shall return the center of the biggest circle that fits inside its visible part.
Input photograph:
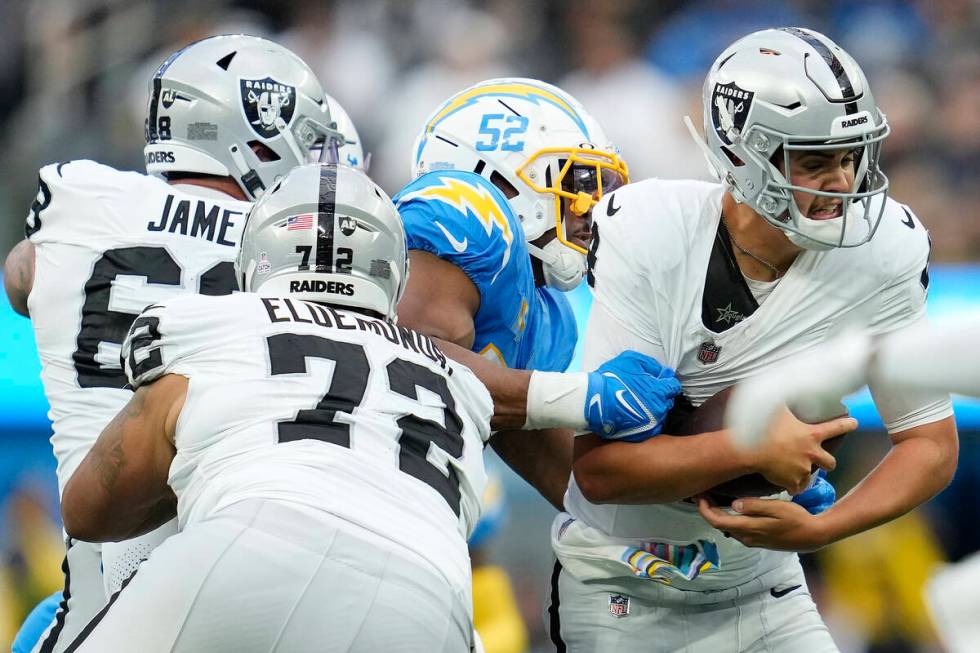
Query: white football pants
(92, 573)
(629, 615)
(260, 576)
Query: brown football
(685, 419)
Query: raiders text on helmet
(236, 106)
(539, 145)
(325, 233)
(778, 91)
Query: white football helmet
(536, 143)
(325, 233)
(350, 151)
(215, 100)
(778, 91)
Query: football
(685, 419)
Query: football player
(227, 117)
(498, 221)
(325, 464)
(720, 281)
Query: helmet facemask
(582, 176)
(861, 206)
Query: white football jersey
(326, 409)
(107, 244)
(665, 283)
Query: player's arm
(18, 275)
(440, 300)
(543, 458)
(920, 463)
(669, 468)
(666, 468)
(120, 489)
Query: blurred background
(73, 80)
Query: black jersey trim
(727, 299)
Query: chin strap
(563, 267)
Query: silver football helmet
(325, 233)
(237, 106)
(541, 144)
(778, 91)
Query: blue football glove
(629, 396)
(819, 496)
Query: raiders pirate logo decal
(265, 102)
(729, 107)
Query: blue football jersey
(463, 218)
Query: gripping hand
(629, 396)
(819, 496)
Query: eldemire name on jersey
(259, 421)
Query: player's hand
(766, 523)
(812, 384)
(629, 396)
(819, 496)
(794, 448)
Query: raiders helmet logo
(729, 108)
(265, 102)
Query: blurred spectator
(687, 42)
(640, 108)
(345, 45)
(30, 556)
(471, 49)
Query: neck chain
(752, 256)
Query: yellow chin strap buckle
(582, 203)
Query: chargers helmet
(777, 91)
(539, 145)
(237, 106)
(325, 233)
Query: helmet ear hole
(263, 151)
(505, 186)
(737, 162)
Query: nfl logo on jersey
(619, 605)
(708, 353)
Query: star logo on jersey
(268, 105)
(729, 315)
(729, 108)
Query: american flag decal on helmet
(296, 222)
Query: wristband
(556, 400)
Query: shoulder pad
(461, 217)
(64, 189)
(901, 245)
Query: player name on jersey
(288, 310)
(201, 222)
